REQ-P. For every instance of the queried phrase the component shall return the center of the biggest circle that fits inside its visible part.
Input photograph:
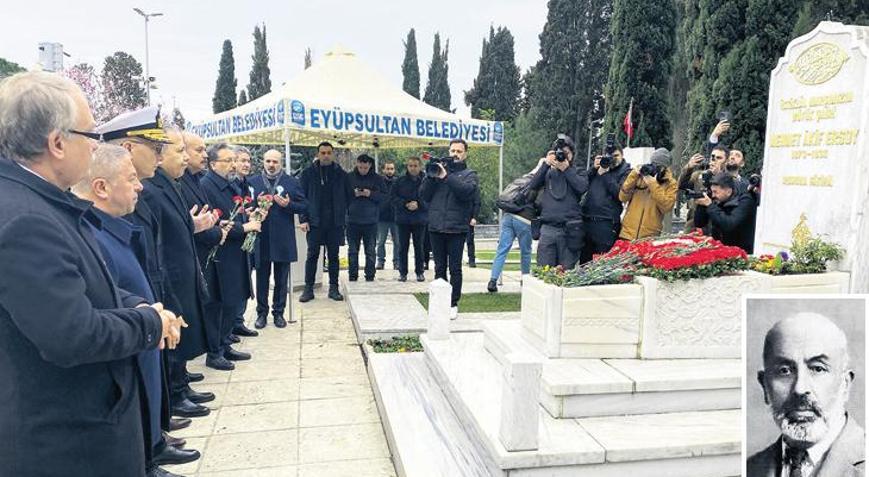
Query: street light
(147, 17)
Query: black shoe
(199, 398)
(492, 286)
(379, 266)
(174, 456)
(280, 322)
(234, 355)
(307, 295)
(158, 472)
(260, 322)
(178, 423)
(472, 263)
(195, 377)
(335, 294)
(176, 442)
(402, 278)
(420, 277)
(369, 279)
(234, 339)
(219, 363)
(353, 279)
(241, 330)
(186, 408)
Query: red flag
(628, 125)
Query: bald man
(806, 380)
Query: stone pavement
(303, 406)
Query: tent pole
(376, 162)
(500, 188)
(288, 154)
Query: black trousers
(447, 250)
(426, 247)
(177, 377)
(279, 298)
(472, 256)
(405, 233)
(553, 249)
(600, 235)
(318, 237)
(367, 234)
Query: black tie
(797, 458)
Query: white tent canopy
(342, 100)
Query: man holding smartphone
(363, 211)
(276, 245)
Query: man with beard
(276, 243)
(386, 225)
(806, 380)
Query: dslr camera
(649, 170)
(606, 161)
(431, 168)
(706, 179)
(558, 146)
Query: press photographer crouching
(561, 229)
(728, 215)
(601, 207)
(650, 191)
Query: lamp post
(147, 17)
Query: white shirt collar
(31, 171)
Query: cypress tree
(643, 36)
(260, 81)
(307, 58)
(565, 89)
(410, 66)
(242, 98)
(224, 91)
(497, 85)
(437, 90)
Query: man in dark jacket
(411, 217)
(186, 288)
(276, 243)
(71, 394)
(450, 196)
(328, 191)
(561, 229)
(113, 187)
(231, 262)
(602, 209)
(363, 213)
(728, 215)
(242, 173)
(386, 225)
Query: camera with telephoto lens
(432, 168)
(706, 180)
(558, 146)
(606, 161)
(649, 169)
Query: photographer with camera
(601, 208)
(695, 177)
(728, 215)
(561, 229)
(650, 192)
(449, 189)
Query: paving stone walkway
(303, 406)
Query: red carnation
(247, 199)
(237, 199)
(218, 213)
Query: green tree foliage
(9, 68)
(308, 60)
(437, 91)
(564, 91)
(121, 84)
(242, 97)
(643, 36)
(260, 81)
(224, 91)
(410, 66)
(497, 86)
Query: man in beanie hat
(650, 192)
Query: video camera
(706, 179)
(432, 168)
(606, 161)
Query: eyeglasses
(89, 135)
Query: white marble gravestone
(816, 157)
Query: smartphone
(724, 116)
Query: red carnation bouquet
(668, 258)
(239, 202)
(264, 203)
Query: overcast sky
(185, 44)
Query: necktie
(798, 460)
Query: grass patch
(398, 344)
(511, 255)
(482, 302)
(508, 267)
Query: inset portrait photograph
(805, 386)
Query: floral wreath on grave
(809, 254)
(669, 258)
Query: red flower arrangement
(264, 203)
(239, 207)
